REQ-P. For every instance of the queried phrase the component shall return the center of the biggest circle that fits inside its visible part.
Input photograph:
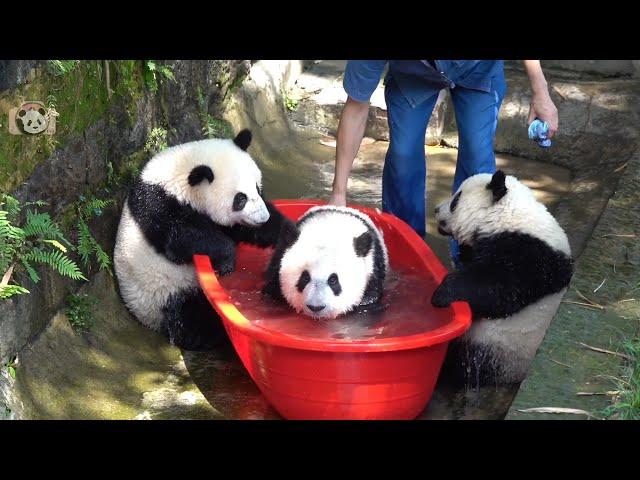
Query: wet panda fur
(201, 197)
(333, 261)
(516, 265)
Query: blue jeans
(404, 175)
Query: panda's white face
(321, 274)
(216, 177)
(468, 209)
(33, 121)
(487, 205)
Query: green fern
(57, 260)
(11, 204)
(85, 245)
(88, 246)
(41, 224)
(103, 259)
(33, 275)
(62, 67)
(154, 71)
(93, 207)
(38, 241)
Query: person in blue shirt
(477, 89)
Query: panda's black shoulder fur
(504, 273)
(177, 231)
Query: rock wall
(99, 144)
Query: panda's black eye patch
(334, 284)
(239, 202)
(454, 202)
(304, 279)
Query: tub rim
(231, 316)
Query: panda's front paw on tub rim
(442, 297)
(225, 266)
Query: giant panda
(516, 265)
(201, 197)
(333, 261)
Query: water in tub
(404, 308)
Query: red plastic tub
(306, 372)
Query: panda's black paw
(443, 296)
(225, 265)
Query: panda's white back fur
(150, 278)
(511, 342)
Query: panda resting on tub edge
(516, 265)
(201, 197)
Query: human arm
(353, 121)
(361, 78)
(541, 106)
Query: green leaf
(58, 260)
(85, 245)
(12, 371)
(30, 271)
(8, 291)
(41, 225)
(57, 244)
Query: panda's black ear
(289, 233)
(199, 173)
(243, 139)
(497, 185)
(362, 244)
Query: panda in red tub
(516, 265)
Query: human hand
(338, 199)
(542, 107)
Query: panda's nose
(315, 308)
(437, 210)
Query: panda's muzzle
(254, 213)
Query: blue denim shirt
(418, 80)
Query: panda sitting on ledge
(516, 267)
(201, 197)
